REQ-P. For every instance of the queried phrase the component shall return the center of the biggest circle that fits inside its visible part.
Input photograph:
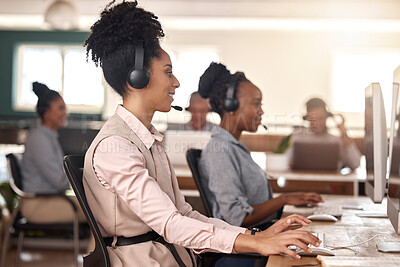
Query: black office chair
(209, 259)
(193, 157)
(73, 167)
(19, 225)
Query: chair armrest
(62, 195)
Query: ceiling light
(61, 15)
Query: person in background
(130, 186)
(41, 167)
(317, 115)
(237, 187)
(198, 108)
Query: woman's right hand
(276, 244)
(291, 222)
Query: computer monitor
(76, 141)
(375, 143)
(393, 198)
(178, 142)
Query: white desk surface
(344, 176)
(350, 229)
(357, 175)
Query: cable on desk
(358, 244)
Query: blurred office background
(291, 49)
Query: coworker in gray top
(241, 182)
(42, 163)
(236, 186)
(41, 166)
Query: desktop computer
(76, 141)
(393, 197)
(375, 143)
(176, 143)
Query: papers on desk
(349, 261)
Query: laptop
(176, 143)
(316, 156)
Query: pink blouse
(120, 167)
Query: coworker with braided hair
(131, 188)
(237, 187)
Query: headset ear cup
(230, 104)
(138, 79)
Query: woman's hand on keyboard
(291, 222)
(301, 199)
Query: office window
(189, 63)
(354, 71)
(188, 66)
(61, 68)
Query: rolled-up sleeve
(122, 170)
(221, 172)
(351, 156)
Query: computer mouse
(316, 251)
(322, 217)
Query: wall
(288, 66)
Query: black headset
(328, 113)
(138, 77)
(230, 103)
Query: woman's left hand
(291, 222)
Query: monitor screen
(393, 207)
(76, 141)
(375, 143)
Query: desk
(310, 178)
(301, 180)
(350, 229)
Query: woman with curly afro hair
(129, 183)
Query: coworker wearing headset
(236, 186)
(129, 183)
(317, 115)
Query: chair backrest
(73, 167)
(14, 173)
(193, 158)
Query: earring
(231, 113)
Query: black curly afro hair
(214, 83)
(111, 43)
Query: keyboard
(321, 250)
(331, 210)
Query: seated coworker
(41, 166)
(198, 108)
(317, 115)
(129, 183)
(236, 186)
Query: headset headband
(139, 55)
